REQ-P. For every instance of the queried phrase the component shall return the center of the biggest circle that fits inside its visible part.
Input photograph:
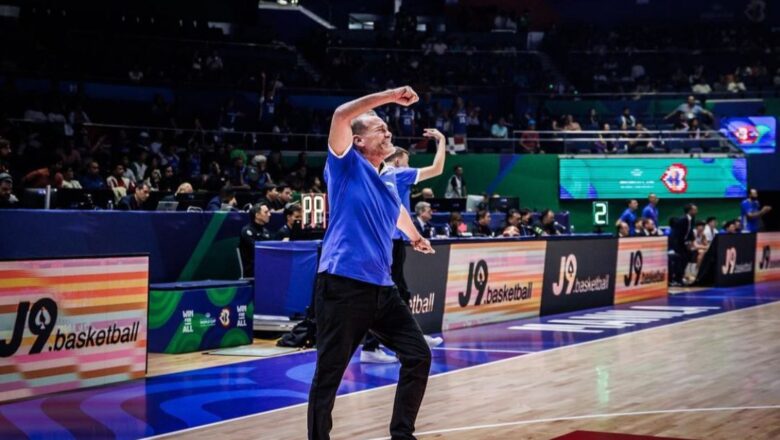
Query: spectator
(135, 201)
(42, 177)
(512, 218)
(238, 174)
(92, 179)
(118, 180)
(184, 188)
(622, 229)
(649, 228)
(752, 212)
(7, 198)
(711, 230)
(730, 227)
(734, 85)
(427, 194)
(481, 227)
(139, 166)
(510, 231)
(260, 162)
(651, 210)
(456, 225)
(214, 62)
(422, 221)
(593, 122)
(606, 142)
(499, 130)
(546, 225)
(256, 230)
(226, 198)
(293, 214)
(169, 180)
(626, 121)
(638, 228)
(456, 186)
(700, 87)
(570, 124)
(690, 110)
(529, 139)
(628, 216)
(69, 181)
(525, 227)
(284, 196)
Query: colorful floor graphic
(173, 402)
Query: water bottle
(571, 230)
(110, 205)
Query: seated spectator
(639, 226)
(427, 194)
(529, 139)
(606, 142)
(622, 229)
(135, 201)
(734, 85)
(422, 220)
(690, 109)
(510, 231)
(238, 174)
(226, 197)
(570, 124)
(499, 130)
(626, 120)
(649, 228)
(69, 181)
(711, 229)
(512, 218)
(700, 87)
(118, 180)
(42, 177)
(481, 228)
(92, 180)
(525, 227)
(293, 214)
(7, 198)
(546, 225)
(256, 230)
(730, 227)
(456, 225)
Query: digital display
(754, 135)
(667, 177)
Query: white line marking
(590, 416)
(500, 361)
(482, 350)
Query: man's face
(94, 169)
(694, 211)
(169, 172)
(402, 161)
(485, 220)
(459, 171)
(427, 193)
(5, 189)
(273, 194)
(296, 216)
(286, 195)
(548, 218)
(633, 205)
(713, 224)
(141, 194)
(753, 194)
(263, 216)
(119, 170)
(514, 219)
(426, 215)
(653, 199)
(649, 225)
(691, 101)
(376, 140)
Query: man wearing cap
(7, 198)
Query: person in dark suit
(679, 242)
(422, 221)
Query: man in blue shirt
(354, 291)
(398, 165)
(752, 212)
(628, 215)
(651, 210)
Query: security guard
(254, 231)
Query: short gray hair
(421, 207)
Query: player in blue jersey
(398, 165)
(354, 291)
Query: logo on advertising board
(642, 269)
(579, 274)
(674, 178)
(76, 312)
(426, 276)
(767, 256)
(736, 259)
(493, 282)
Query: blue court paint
(174, 402)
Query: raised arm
(437, 167)
(340, 137)
(419, 243)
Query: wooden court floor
(712, 378)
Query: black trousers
(345, 310)
(397, 274)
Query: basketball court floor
(696, 365)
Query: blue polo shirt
(629, 217)
(405, 178)
(459, 123)
(364, 209)
(749, 206)
(650, 211)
